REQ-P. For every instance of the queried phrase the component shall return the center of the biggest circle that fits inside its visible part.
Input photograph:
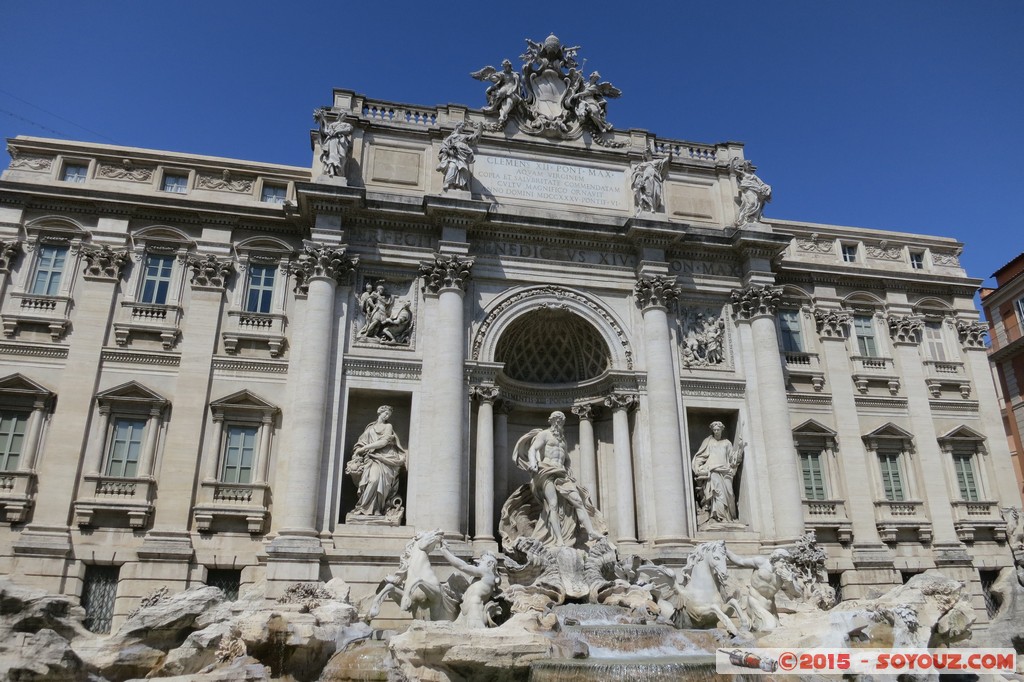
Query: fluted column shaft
(501, 457)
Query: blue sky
(902, 114)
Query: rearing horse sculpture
(698, 589)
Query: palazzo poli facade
(193, 349)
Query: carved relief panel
(385, 313)
(704, 342)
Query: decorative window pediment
(962, 437)
(891, 434)
(17, 388)
(131, 396)
(243, 403)
(813, 430)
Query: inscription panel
(529, 180)
(399, 166)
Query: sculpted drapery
(377, 459)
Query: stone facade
(193, 346)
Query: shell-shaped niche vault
(552, 346)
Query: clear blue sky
(904, 115)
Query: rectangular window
(917, 260)
(74, 172)
(934, 343)
(239, 451)
(176, 183)
(156, 279)
(99, 591)
(125, 446)
(261, 288)
(49, 269)
(1019, 303)
(963, 463)
(226, 579)
(849, 252)
(273, 194)
(789, 327)
(12, 438)
(814, 480)
(864, 329)
(892, 480)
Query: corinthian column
(318, 271)
(652, 296)
(445, 277)
(484, 508)
(756, 305)
(586, 469)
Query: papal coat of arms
(550, 96)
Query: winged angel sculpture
(550, 97)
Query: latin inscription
(373, 236)
(503, 176)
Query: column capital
(756, 300)
(905, 330)
(832, 324)
(104, 262)
(9, 252)
(620, 401)
(318, 260)
(445, 271)
(584, 412)
(656, 291)
(210, 272)
(485, 394)
(972, 334)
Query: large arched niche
(593, 336)
(552, 346)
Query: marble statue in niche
(754, 193)
(377, 459)
(703, 340)
(456, 154)
(386, 318)
(553, 508)
(335, 143)
(647, 182)
(715, 465)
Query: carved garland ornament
(210, 271)
(972, 334)
(882, 251)
(755, 300)
(831, 324)
(225, 182)
(445, 272)
(105, 262)
(558, 292)
(655, 291)
(36, 163)
(126, 171)
(318, 260)
(906, 328)
(814, 245)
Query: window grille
(992, 600)
(98, 594)
(228, 580)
